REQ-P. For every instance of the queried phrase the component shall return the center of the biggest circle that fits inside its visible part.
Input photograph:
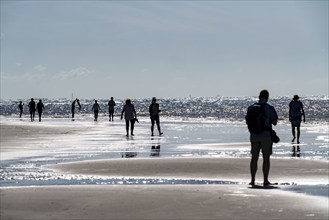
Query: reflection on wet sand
(155, 151)
(295, 151)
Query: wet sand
(224, 201)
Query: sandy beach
(287, 200)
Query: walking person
(260, 118)
(20, 106)
(130, 116)
(40, 108)
(154, 115)
(96, 108)
(296, 112)
(32, 107)
(73, 107)
(111, 108)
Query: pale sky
(140, 49)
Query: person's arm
(303, 113)
(123, 110)
(290, 116)
(135, 112)
(274, 117)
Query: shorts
(155, 119)
(296, 123)
(261, 143)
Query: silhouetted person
(96, 110)
(111, 109)
(40, 108)
(73, 107)
(20, 106)
(296, 112)
(130, 116)
(261, 140)
(32, 107)
(154, 115)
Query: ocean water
(192, 128)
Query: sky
(141, 49)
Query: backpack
(256, 118)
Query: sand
(181, 201)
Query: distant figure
(96, 110)
(73, 107)
(130, 116)
(32, 106)
(296, 111)
(20, 106)
(40, 108)
(260, 135)
(111, 109)
(154, 115)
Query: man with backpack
(260, 118)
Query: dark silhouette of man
(154, 115)
(111, 109)
(262, 141)
(20, 106)
(96, 108)
(130, 116)
(296, 112)
(40, 108)
(73, 107)
(32, 107)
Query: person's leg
(127, 127)
(39, 116)
(112, 114)
(132, 124)
(158, 125)
(266, 168)
(253, 168)
(152, 126)
(298, 134)
(267, 145)
(255, 149)
(31, 115)
(293, 132)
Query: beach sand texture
(178, 201)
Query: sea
(192, 127)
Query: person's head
(154, 100)
(296, 97)
(264, 95)
(95, 101)
(128, 101)
(32, 99)
(40, 100)
(111, 98)
(20, 102)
